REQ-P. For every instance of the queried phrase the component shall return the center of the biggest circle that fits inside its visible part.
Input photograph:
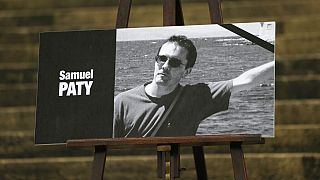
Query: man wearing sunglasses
(163, 107)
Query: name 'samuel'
(83, 81)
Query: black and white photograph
(193, 80)
(155, 82)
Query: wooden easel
(168, 152)
(168, 155)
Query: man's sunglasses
(173, 62)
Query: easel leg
(161, 162)
(168, 161)
(123, 13)
(215, 11)
(175, 161)
(239, 166)
(199, 161)
(100, 153)
(172, 13)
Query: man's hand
(253, 77)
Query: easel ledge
(203, 140)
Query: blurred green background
(293, 154)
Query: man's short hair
(186, 43)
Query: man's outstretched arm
(253, 77)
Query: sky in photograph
(194, 31)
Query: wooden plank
(168, 161)
(154, 141)
(172, 13)
(161, 164)
(99, 160)
(200, 163)
(143, 167)
(175, 161)
(215, 11)
(239, 166)
(169, 12)
(179, 14)
(123, 13)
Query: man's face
(164, 73)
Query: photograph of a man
(163, 107)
